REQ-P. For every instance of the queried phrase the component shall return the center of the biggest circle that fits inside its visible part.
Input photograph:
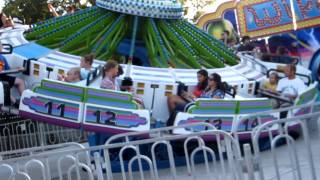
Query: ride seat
(105, 97)
(308, 96)
(213, 106)
(61, 90)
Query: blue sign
(264, 17)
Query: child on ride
(127, 86)
(272, 84)
(110, 72)
(73, 76)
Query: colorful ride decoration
(156, 26)
(77, 106)
(113, 112)
(255, 19)
(260, 18)
(299, 35)
(240, 116)
(216, 28)
(226, 114)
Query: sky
(1, 4)
(217, 2)
(192, 10)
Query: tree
(33, 11)
(200, 5)
(196, 6)
(30, 11)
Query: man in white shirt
(290, 86)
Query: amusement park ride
(171, 50)
(152, 31)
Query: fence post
(41, 135)
(248, 161)
(98, 166)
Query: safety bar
(93, 75)
(6, 47)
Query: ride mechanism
(154, 32)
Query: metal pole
(248, 161)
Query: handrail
(232, 91)
(253, 60)
(27, 64)
(109, 145)
(93, 75)
(276, 96)
(25, 70)
(286, 57)
(10, 47)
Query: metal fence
(143, 163)
(23, 134)
(283, 149)
(158, 154)
(295, 159)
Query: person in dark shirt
(246, 44)
(13, 81)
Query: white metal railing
(275, 113)
(220, 151)
(227, 149)
(26, 166)
(27, 133)
(296, 155)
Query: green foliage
(30, 11)
(33, 11)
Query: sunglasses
(211, 79)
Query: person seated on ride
(282, 51)
(215, 90)
(71, 9)
(272, 83)
(246, 44)
(291, 86)
(127, 86)
(4, 21)
(271, 87)
(282, 56)
(185, 97)
(110, 72)
(225, 38)
(294, 51)
(12, 81)
(73, 76)
(86, 65)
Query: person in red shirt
(185, 97)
